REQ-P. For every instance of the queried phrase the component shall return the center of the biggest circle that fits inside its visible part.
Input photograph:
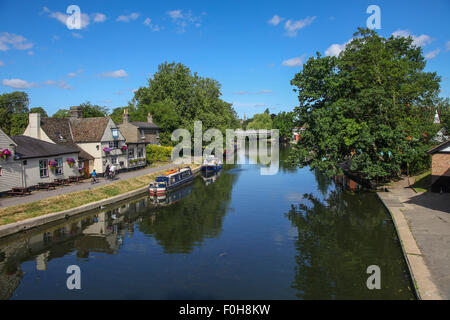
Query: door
(86, 169)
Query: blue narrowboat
(171, 180)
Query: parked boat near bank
(167, 199)
(211, 163)
(171, 180)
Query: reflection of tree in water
(323, 182)
(338, 240)
(180, 227)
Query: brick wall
(440, 165)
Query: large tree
(370, 107)
(13, 112)
(260, 121)
(178, 97)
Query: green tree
(284, 122)
(39, 110)
(13, 110)
(89, 111)
(369, 108)
(61, 113)
(260, 121)
(187, 96)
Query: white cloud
(275, 20)
(418, 41)
(99, 17)
(175, 14)
(432, 54)
(23, 84)
(293, 62)
(115, 74)
(128, 18)
(71, 74)
(30, 53)
(245, 104)
(447, 46)
(153, 27)
(184, 19)
(77, 35)
(62, 17)
(18, 83)
(293, 26)
(1, 63)
(13, 41)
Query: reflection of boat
(171, 197)
(211, 163)
(171, 180)
(210, 177)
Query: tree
(369, 107)
(39, 110)
(13, 105)
(284, 122)
(61, 113)
(260, 121)
(88, 110)
(188, 98)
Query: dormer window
(115, 133)
(60, 137)
(142, 134)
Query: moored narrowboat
(171, 180)
(211, 163)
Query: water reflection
(337, 240)
(235, 234)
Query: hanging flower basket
(70, 162)
(107, 150)
(5, 154)
(52, 164)
(124, 148)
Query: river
(238, 235)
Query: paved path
(86, 184)
(426, 218)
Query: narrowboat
(171, 180)
(211, 163)
(169, 198)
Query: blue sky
(253, 48)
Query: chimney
(34, 125)
(150, 118)
(125, 116)
(76, 112)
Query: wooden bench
(19, 191)
(45, 185)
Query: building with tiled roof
(98, 139)
(138, 135)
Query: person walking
(94, 176)
(112, 171)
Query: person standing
(107, 171)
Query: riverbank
(422, 221)
(23, 216)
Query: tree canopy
(14, 112)
(260, 121)
(370, 107)
(177, 97)
(284, 122)
(89, 111)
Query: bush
(158, 153)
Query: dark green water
(294, 235)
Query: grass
(75, 199)
(423, 182)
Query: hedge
(158, 153)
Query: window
(114, 160)
(131, 153)
(43, 168)
(59, 166)
(142, 134)
(114, 144)
(140, 152)
(115, 133)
